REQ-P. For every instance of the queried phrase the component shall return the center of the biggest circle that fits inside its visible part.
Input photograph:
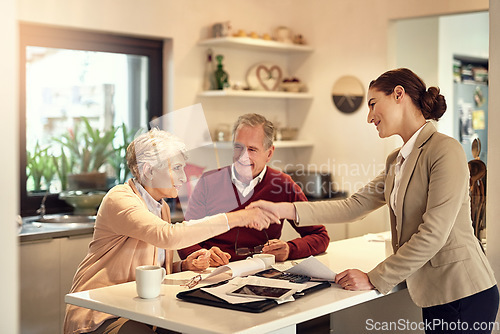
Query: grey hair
(154, 147)
(254, 120)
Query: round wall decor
(347, 94)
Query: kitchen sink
(50, 227)
(65, 219)
(59, 223)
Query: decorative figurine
(221, 76)
(209, 82)
(221, 29)
(283, 34)
(299, 39)
(240, 33)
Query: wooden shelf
(254, 94)
(224, 145)
(256, 44)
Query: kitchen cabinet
(247, 50)
(73, 251)
(40, 286)
(47, 269)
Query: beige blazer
(435, 249)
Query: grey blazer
(435, 249)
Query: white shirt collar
(410, 144)
(151, 203)
(243, 188)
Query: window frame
(87, 40)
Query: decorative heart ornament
(269, 77)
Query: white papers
(240, 268)
(282, 266)
(312, 267)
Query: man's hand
(254, 218)
(278, 248)
(197, 261)
(218, 257)
(354, 279)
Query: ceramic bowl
(291, 87)
(84, 202)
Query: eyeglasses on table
(247, 251)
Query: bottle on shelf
(209, 82)
(221, 76)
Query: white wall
(416, 46)
(9, 207)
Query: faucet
(41, 210)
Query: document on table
(312, 267)
(240, 268)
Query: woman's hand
(354, 279)
(254, 218)
(197, 261)
(281, 210)
(218, 257)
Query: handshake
(260, 214)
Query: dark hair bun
(433, 104)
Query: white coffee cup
(148, 280)
(268, 259)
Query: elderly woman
(133, 228)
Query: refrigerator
(471, 105)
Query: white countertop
(169, 312)
(32, 229)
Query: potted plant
(63, 166)
(40, 165)
(84, 151)
(117, 160)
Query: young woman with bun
(425, 185)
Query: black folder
(201, 297)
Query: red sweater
(215, 193)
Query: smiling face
(384, 112)
(166, 180)
(249, 155)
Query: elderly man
(249, 179)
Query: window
(73, 78)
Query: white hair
(154, 147)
